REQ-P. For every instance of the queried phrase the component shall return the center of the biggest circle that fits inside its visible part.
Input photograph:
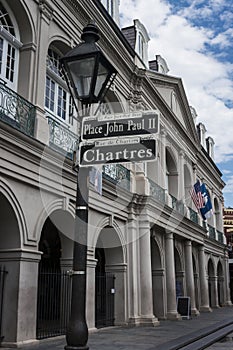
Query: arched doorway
(158, 281)
(49, 281)
(109, 279)
(50, 246)
(10, 264)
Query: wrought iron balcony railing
(177, 205)
(117, 174)
(193, 215)
(211, 231)
(220, 236)
(156, 191)
(16, 111)
(61, 138)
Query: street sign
(120, 124)
(127, 149)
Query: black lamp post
(89, 75)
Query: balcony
(177, 205)
(16, 111)
(61, 138)
(117, 174)
(211, 232)
(220, 236)
(193, 215)
(156, 191)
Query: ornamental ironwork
(211, 231)
(178, 205)
(220, 236)
(156, 191)
(16, 111)
(193, 215)
(118, 174)
(61, 138)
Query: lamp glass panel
(101, 78)
(82, 73)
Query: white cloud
(206, 79)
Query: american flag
(196, 195)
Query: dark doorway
(53, 301)
(104, 292)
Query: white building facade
(144, 230)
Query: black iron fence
(53, 303)
(16, 111)
(104, 309)
(3, 274)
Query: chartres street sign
(120, 124)
(127, 149)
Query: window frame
(59, 84)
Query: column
(147, 316)
(46, 15)
(190, 276)
(20, 296)
(90, 290)
(204, 306)
(162, 179)
(214, 289)
(227, 296)
(170, 277)
(133, 269)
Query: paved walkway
(163, 336)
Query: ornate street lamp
(89, 75)
(88, 70)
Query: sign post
(118, 138)
(120, 124)
(117, 150)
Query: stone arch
(108, 222)
(158, 280)
(25, 22)
(171, 173)
(113, 263)
(61, 43)
(11, 211)
(66, 227)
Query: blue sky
(196, 40)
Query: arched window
(58, 100)
(9, 49)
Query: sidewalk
(163, 336)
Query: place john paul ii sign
(117, 138)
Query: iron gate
(53, 303)
(104, 303)
(3, 273)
